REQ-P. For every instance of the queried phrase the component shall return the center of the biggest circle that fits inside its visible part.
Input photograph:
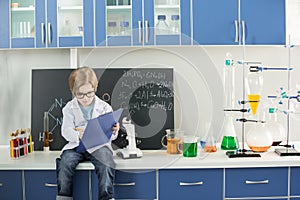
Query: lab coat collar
(76, 108)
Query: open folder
(99, 130)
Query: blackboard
(146, 94)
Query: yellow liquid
(254, 105)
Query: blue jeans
(104, 164)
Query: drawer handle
(258, 182)
(50, 185)
(188, 184)
(125, 184)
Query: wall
(198, 74)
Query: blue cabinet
(257, 22)
(49, 24)
(41, 184)
(11, 184)
(134, 23)
(135, 184)
(295, 181)
(256, 182)
(191, 184)
(4, 24)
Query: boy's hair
(82, 76)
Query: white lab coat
(73, 118)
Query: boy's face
(85, 94)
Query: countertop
(153, 159)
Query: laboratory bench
(158, 175)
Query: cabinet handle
(50, 185)
(189, 184)
(1, 184)
(258, 182)
(49, 33)
(243, 32)
(140, 31)
(147, 31)
(43, 32)
(236, 31)
(125, 184)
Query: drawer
(190, 184)
(138, 184)
(42, 183)
(295, 181)
(256, 182)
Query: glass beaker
(174, 141)
(190, 145)
(254, 82)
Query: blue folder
(99, 130)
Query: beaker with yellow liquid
(254, 83)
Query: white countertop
(152, 159)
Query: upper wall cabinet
(231, 22)
(47, 23)
(4, 19)
(142, 22)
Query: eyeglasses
(90, 94)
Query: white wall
(198, 79)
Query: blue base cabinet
(295, 182)
(11, 184)
(190, 184)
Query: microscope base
(129, 153)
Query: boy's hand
(116, 128)
(81, 131)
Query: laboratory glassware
(254, 83)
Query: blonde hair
(82, 76)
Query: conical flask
(275, 127)
(254, 82)
(229, 141)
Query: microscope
(131, 151)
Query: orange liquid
(254, 105)
(174, 146)
(259, 149)
(210, 148)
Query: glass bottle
(124, 28)
(161, 26)
(175, 25)
(277, 130)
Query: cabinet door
(264, 21)
(174, 19)
(46, 24)
(11, 184)
(4, 24)
(256, 182)
(191, 184)
(130, 185)
(215, 22)
(42, 185)
(295, 181)
(71, 26)
(22, 24)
